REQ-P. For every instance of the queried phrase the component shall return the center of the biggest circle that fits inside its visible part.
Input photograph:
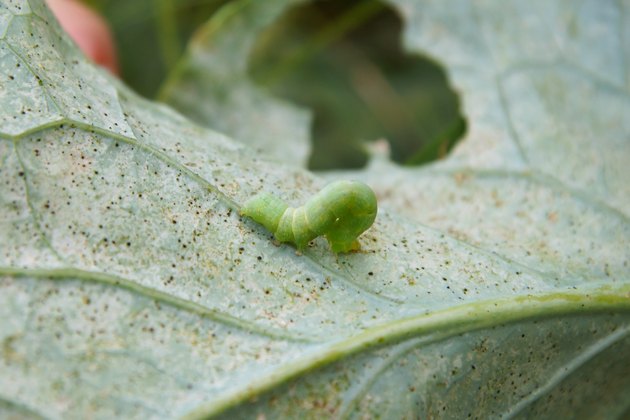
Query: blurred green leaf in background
(343, 60)
(152, 34)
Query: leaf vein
(70, 273)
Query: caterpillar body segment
(341, 212)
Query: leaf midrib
(434, 327)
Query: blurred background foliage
(342, 59)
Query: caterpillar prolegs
(341, 211)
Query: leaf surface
(493, 284)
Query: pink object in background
(88, 30)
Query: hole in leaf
(344, 60)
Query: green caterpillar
(341, 211)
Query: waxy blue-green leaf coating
(493, 284)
